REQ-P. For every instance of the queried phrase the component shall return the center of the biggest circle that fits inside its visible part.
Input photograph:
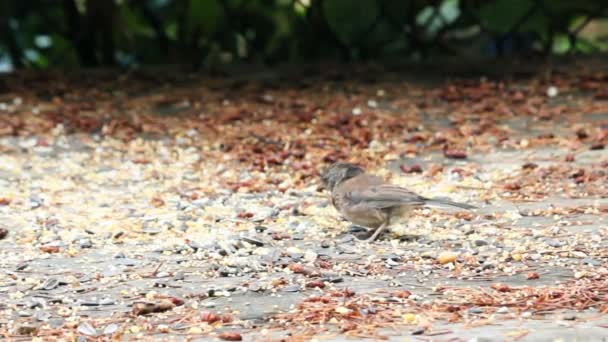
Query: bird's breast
(363, 215)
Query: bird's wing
(385, 196)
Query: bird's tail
(441, 202)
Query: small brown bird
(367, 200)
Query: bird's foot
(372, 237)
(355, 229)
(359, 232)
(380, 230)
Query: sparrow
(368, 201)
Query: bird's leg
(378, 231)
(360, 232)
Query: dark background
(200, 34)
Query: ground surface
(149, 207)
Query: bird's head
(338, 173)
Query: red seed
(601, 95)
(245, 214)
(227, 318)
(435, 169)
(438, 140)
(324, 264)
(416, 168)
(296, 268)
(415, 138)
(315, 284)
(578, 173)
(43, 142)
(582, 134)
(277, 236)
(403, 294)
(313, 299)
(331, 158)
(230, 336)
(157, 202)
(453, 308)
(343, 293)
(500, 287)
(512, 186)
(348, 326)
(454, 154)
(141, 161)
(518, 97)
(532, 275)
(50, 249)
(463, 215)
(176, 301)
(210, 317)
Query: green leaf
(205, 15)
(561, 44)
(396, 10)
(62, 52)
(502, 15)
(348, 19)
(133, 22)
(450, 10)
(572, 6)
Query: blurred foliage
(205, 33)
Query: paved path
(96, 225)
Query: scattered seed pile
(147, 206)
